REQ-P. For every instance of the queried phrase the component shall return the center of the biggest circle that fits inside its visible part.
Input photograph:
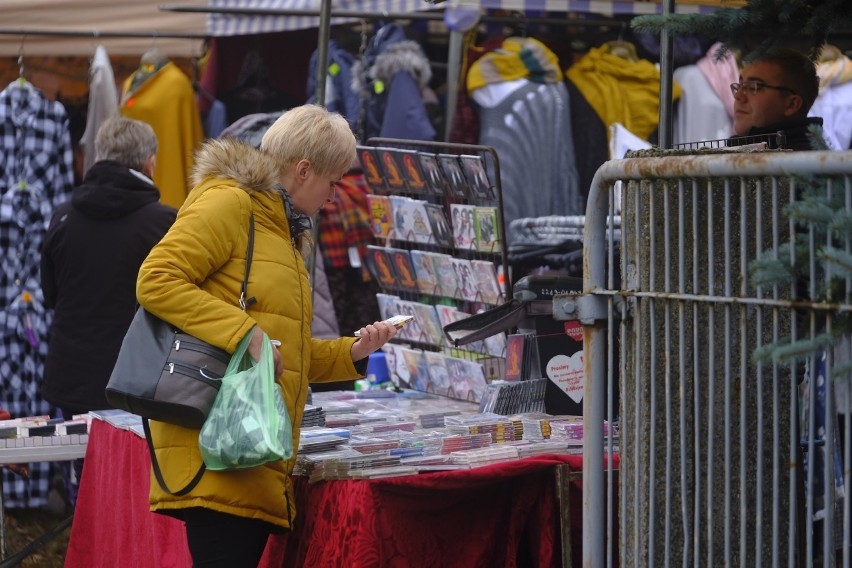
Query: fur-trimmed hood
(228, 158)
(405, 56)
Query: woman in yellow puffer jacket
(192, 280)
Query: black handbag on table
(164, 374)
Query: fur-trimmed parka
(391, 79)
(192, 279)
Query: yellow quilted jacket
(192, 279)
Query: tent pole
(322, 50)
(666, 81)
(321, 75)
(454, 59)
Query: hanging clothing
(214, 113)
(834, 103)
(590, 137)
(465, 127)
(251, 127)
(166, 101)
(216, 119)
(517, 58)
(523, 112)
(621, 91)
(324, 325)
(706, 108)
(244, 71)
(343, 99)
(103, 103)
(36, 175)
(531, 131)
(345, 225)
(391, 78)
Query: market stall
(519, 512)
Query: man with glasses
(775, 92)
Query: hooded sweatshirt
(90, 258)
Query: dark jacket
(390, 78)
(90, 259)
(346, 101)
(794, 135)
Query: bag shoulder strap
(155, 465)
(244, 301)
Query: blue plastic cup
(377, 368)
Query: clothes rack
(327, 13)
(98, 33)
(433, 14)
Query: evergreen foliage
(761, 24)
(820, 216)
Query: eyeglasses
(752, 87)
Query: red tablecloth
(500, 515)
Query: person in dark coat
(91, 256)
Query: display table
(45, 449)
(35, 450)
(504, 514)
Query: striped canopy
(229, 24)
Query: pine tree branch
(761, 25)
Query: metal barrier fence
(722, 459)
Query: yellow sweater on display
(166, 101)
(619, 90)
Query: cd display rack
(438, 254)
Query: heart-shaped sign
(574, 330)
(568, 374)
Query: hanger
(153, 58)
(623, 48)
(521, 27)
(22, 80)
(829, 53)
(196, 82)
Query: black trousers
(221, 540)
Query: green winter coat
(192, 279)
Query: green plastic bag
(248, 424)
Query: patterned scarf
(299, 222)
(517, 58)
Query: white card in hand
(396, 321)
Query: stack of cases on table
(36, 431)
(313, 416)
(399, 443)
(505, 397)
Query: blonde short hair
(310, 132)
